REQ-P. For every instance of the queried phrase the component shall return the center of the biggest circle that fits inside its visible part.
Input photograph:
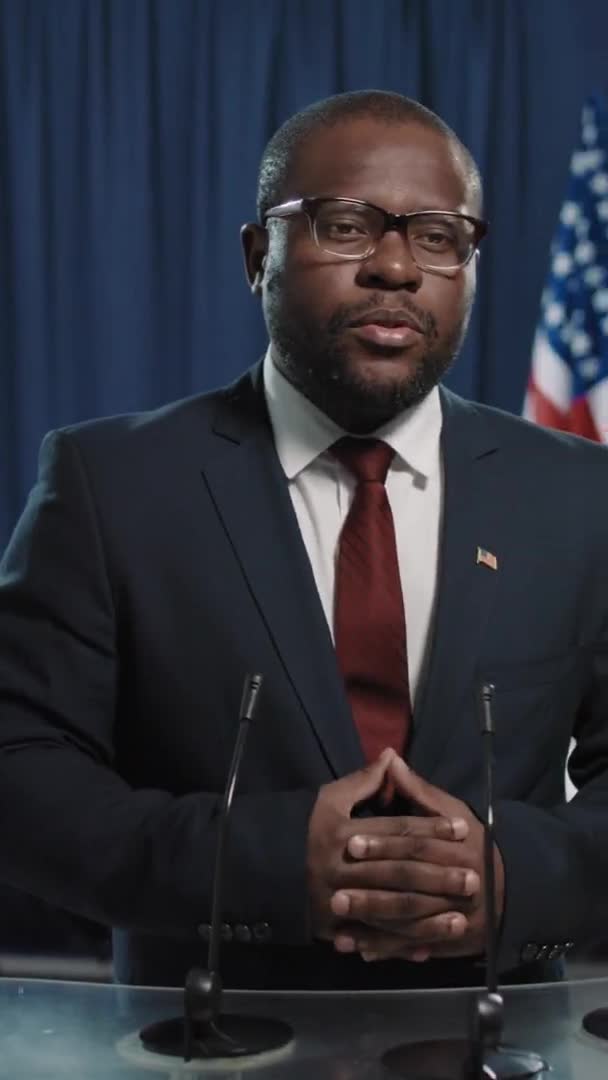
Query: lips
(393, 329)
(390, 319)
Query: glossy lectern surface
(59, 1030)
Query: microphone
(204, 1031)
(481, 1056)
(487, 1020)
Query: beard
(315, 359)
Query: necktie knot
(367, 459)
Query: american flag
(568, 385)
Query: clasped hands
(408, 887)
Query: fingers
(430, 799)
(437, 828)
(362, 784)
(375, 945)
(432, 934)
(414, 847)
(420, 907)
(393, 947)
(378, 945)
(394, 912)
(408, 877)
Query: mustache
(346, 314)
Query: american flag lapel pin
(486, 558)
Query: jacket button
(262, 933)
(204, 931)
(554, 952)
(226, 932)
(568, 946)
(543, 952)
(529, 953)
(242, 933)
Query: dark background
(130, 133)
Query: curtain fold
(130, 134)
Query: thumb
(430, 799)
(365, 782)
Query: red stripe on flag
(578, 420)
(581, 420)
(544, 411)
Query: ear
(254, 239)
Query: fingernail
(368, 956)
(471, 882)
(340, 903)
(460, 829)
(420, 955)
(357, 846)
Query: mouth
(395, 329)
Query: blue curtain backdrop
(130, 132)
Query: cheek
(449, 300)
(313, 285)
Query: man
(377, 548)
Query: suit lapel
(248, 487)
(473, 517)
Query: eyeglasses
(438, 240)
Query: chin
(370, 397)
(387, 370)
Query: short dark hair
(383, 105)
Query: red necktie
(369, 620)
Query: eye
(435, 238)
(341, 227)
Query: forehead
(400, 166)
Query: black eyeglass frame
(392, 222)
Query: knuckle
(418, 847)
(400, 876)
(408, 904)
(416, 932)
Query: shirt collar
(302, 432)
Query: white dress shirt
(322, 490)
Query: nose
(391, 265)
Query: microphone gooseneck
(204, 1031)
(481, 1056)
(487, 731)
(249, 700)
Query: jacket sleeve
(73, 831)
(556, 860)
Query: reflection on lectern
(130, 1049)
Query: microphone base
(596, 1023)
(232, 1036)
(451, 1059)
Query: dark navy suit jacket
(159, 560)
